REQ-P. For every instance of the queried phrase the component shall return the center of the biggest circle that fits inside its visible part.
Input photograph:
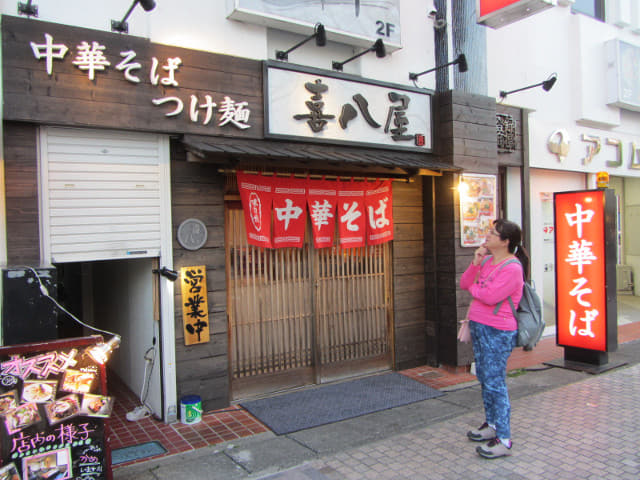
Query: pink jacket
(493, 285)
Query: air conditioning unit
(624, 279)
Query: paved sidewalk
(566, 425)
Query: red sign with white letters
(581, 303)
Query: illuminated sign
(52, 408)
(581, 269)
(498, 13)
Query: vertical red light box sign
(581, 270)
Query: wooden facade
(426, 256)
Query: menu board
(477, 208)
(53, 404)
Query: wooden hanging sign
(195, 308)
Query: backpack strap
(499, 304)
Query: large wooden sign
(72, 76)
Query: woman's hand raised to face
(479, 255)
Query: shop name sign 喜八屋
(317, 106)
(86, 77)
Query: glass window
(593, 8)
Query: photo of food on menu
(96, 405)
(477, 208)
(62, 409)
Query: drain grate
(136, 452)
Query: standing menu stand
(53, 410)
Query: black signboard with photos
(53, 405)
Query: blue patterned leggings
(491, 348)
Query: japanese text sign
(361, 210)
(109, 80)
(581, 280)
(317, 106)
(195, 307)
(52, 407)
(322, 198)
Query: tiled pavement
(589, 431)
(234, 422)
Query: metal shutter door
(102, 194)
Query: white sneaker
(494, 449)
(482, 434)
(138, 413)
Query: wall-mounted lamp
(461, 61)
(377, 47)
(546, 86)
(122, 26)
(27, 9)
(318, 33)
(167, 273)
(102, 351)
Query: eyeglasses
(494, 232)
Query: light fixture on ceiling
(546, 86)
(461, 61)
(318, 33)
(27, 9)
(377, 47)
(122, 26)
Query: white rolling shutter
(103, 194)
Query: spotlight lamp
(27, 9)
(461, 61)
(167, 273)
(546, 86)
(122, 26)
(102, 351)
(377, 47)
(318, 33)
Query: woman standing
(491, 279)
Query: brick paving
(234, 422)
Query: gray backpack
(528, 315)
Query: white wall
(542, 252)
(572, 45)
(123, 304)
(203, 25)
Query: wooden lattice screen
(302, 308)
